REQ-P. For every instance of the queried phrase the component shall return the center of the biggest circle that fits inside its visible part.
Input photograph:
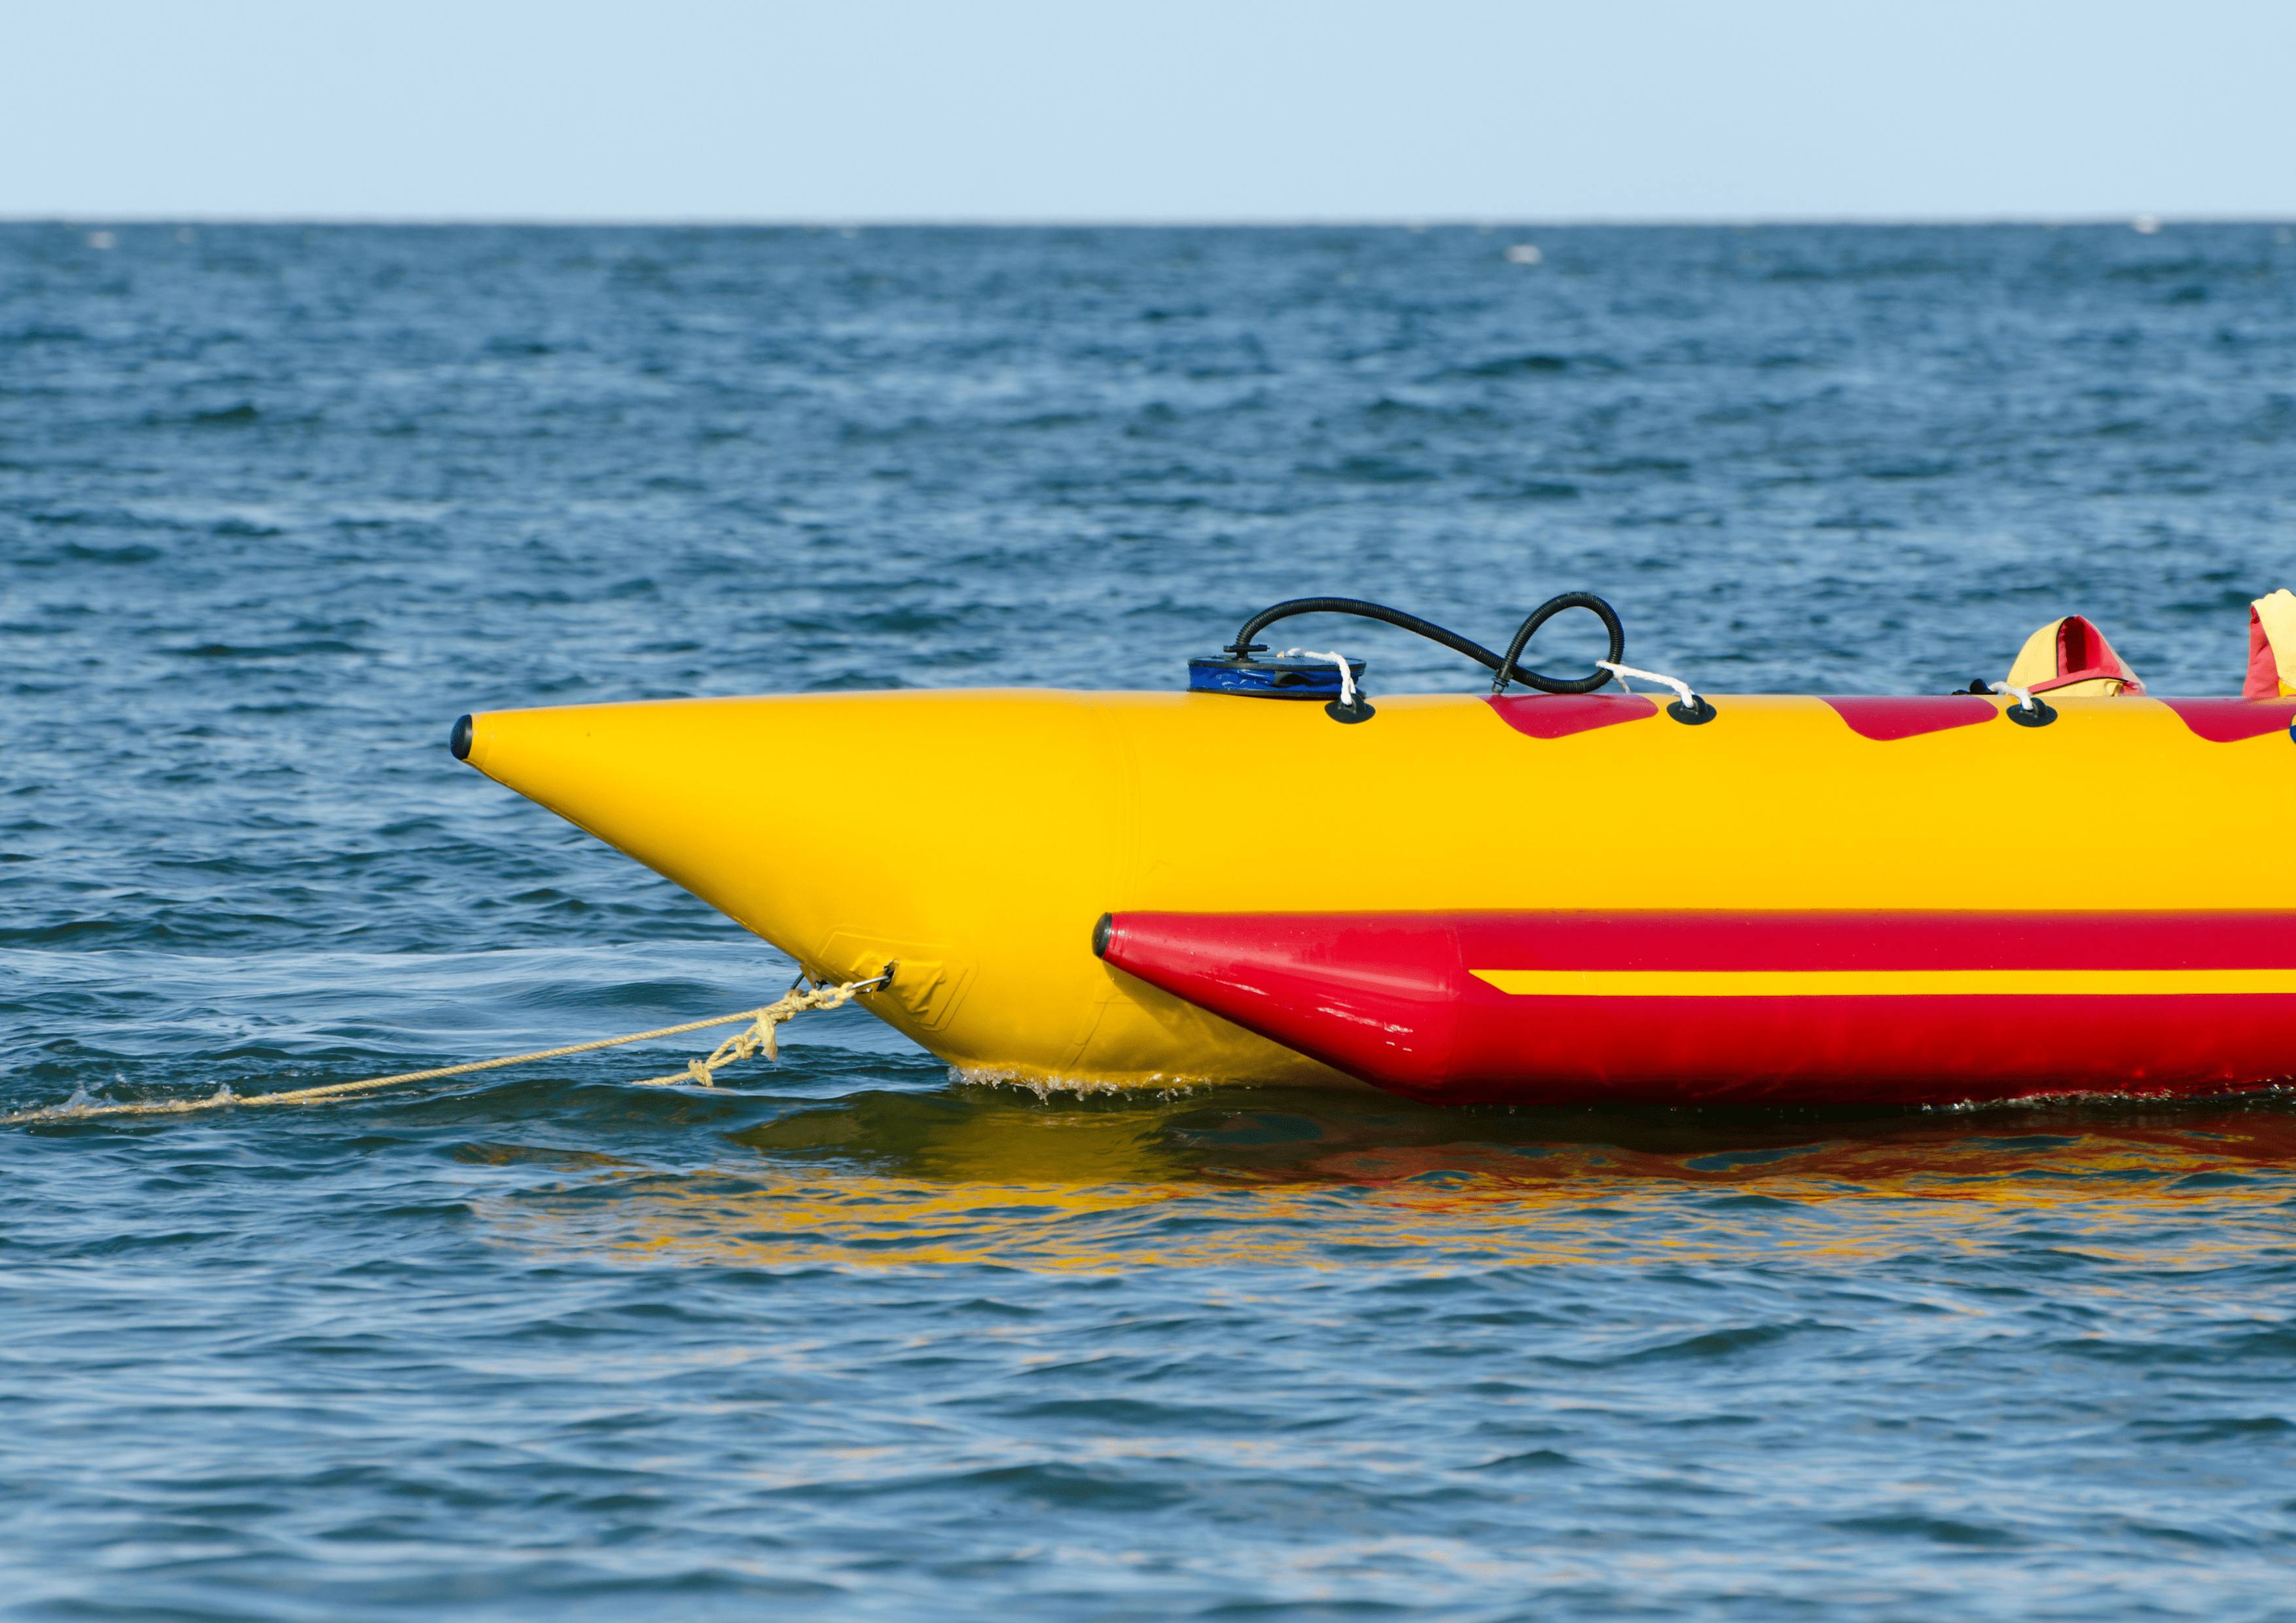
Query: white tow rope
(1347, 674)
(2024, 694)
(759, 1039)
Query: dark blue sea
(844, 1339)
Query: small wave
(121, 557)
(276, 650)
(1538, 365)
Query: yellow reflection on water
(1013, 1182)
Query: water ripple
(853, 1338)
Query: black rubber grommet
(1103, 932)
(1360, 710)
(1687, 716)
(459, 742)
(2039, 715)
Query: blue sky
(1022, 109)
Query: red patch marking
(2227, 721)
(1560, 714)
(1883, 719)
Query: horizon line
(1481, 222)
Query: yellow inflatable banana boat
(1545, 897)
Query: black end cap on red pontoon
(1103, 933)
(459, 740)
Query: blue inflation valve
(1270, 678)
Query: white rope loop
(1681, 688)
(2024, 695)
(1347, 673)
(760, 1038)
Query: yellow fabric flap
(2277, 615)
(2037, 660)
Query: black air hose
(1506, 670)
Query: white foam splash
(1155, 1084)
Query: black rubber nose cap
(460, 740)
(1103, 932)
